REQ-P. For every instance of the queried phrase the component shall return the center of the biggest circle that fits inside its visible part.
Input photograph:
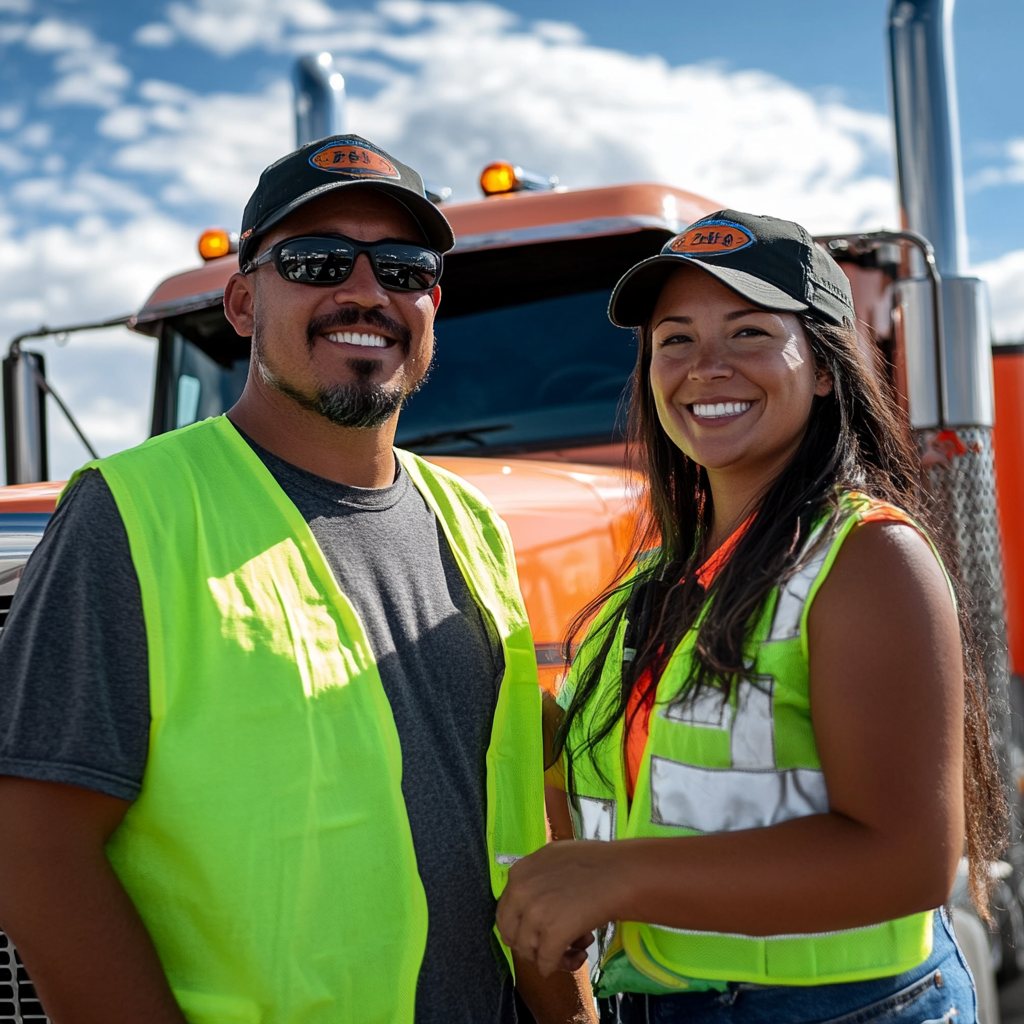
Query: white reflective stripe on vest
(594, 818)
(727, 800)
(793, 596)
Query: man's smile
(362, 340)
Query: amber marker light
(498, 178)
(215, 242)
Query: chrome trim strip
(562, 231)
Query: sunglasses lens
(407, 268)
(315, 260)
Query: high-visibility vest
(713, 766)
(269, 852)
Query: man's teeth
(710, 412)
(366, 340)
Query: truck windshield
(522, 376)
(526, 359)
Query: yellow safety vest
(712, 766)
(269, 852)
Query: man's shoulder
(168, 461)
(423, 471)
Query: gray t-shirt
(74, 691)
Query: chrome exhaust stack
(319, 98)
(932, 199)
(25, 417)
(948, 343)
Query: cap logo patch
(353, 161)
(711, 238)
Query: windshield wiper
(465, 434)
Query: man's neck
(346, 455)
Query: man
(269, 721)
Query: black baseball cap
(340, 161)
(773, 263)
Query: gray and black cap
(773, 263)
(340, 161)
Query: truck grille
(19, 1003)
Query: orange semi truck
(525, 399)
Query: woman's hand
(556, 898)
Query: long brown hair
(857, 438)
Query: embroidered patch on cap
(711, 238)
(354, 160)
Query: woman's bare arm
(887, 699)
(82, 941)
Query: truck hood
(571, 524)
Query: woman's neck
(733, 496)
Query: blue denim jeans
(939, 991)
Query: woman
(778, 712)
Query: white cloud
(16, 6)
(92, 269)
(13, 160)
(54, 35)
(10, 117)
(85, 193)
(478, 89)
(89, 268)
(154, 34)
(125, 122)
(13, 32)
(229, 26)
(1005, 277)
(1011, 173)
(91, 78)
(462, 84)
(88, 71)
(36, 135)
(207, 149)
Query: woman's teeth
(366, 340)
(710, 412)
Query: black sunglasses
(329, 259)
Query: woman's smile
(720, 412)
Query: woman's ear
(823, 382)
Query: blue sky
(125, 128)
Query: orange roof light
(502, 177)
(216, 242)
(497, 178)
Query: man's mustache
(348, 317)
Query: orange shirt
(641, 700)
